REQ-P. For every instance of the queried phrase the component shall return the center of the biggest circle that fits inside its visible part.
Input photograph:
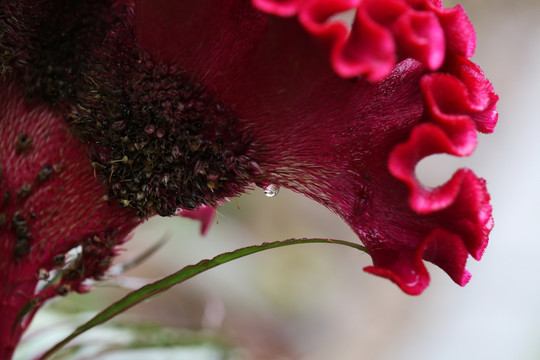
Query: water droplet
(271, 190)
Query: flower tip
(411, 282)
(374, 70)
(462, 37)
(465, 278)
(205, 214)
(406, 269)
(284, 8)
(488, 126)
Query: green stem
(185, 273)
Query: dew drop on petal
(271, 190)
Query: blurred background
(314, 302)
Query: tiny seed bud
(45, 173)
(43, 274)
(24, 190)
(63, 289)
(23, 143)
(58, 260)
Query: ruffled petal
(279, 7)
(459, 32)
(445, 238)
(440, 247)
(458, 103)
(421, 37)
(477, 98)
(384, 32)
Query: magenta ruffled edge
(384, 32)
(459, 101)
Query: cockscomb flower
(113, 111)
(344, 115)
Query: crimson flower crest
(114, 111)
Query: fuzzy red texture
(63, 211)
(352, 145)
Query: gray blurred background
(314, 302)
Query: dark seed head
(176, 152)
(48, 41)
(168, 127)
(6, 196)
(22, 232)
(63, 289)
(57, 168)
(24, 190)
(43, 274)
(58, 260)
(45, 173)
(23, 143)
(21, 247)
(76, 271)
(149, 129)
(17, 218)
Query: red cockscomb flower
(343, 116)
(112, 112)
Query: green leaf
(187, 272)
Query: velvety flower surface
(112, 112)
(344, 115)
